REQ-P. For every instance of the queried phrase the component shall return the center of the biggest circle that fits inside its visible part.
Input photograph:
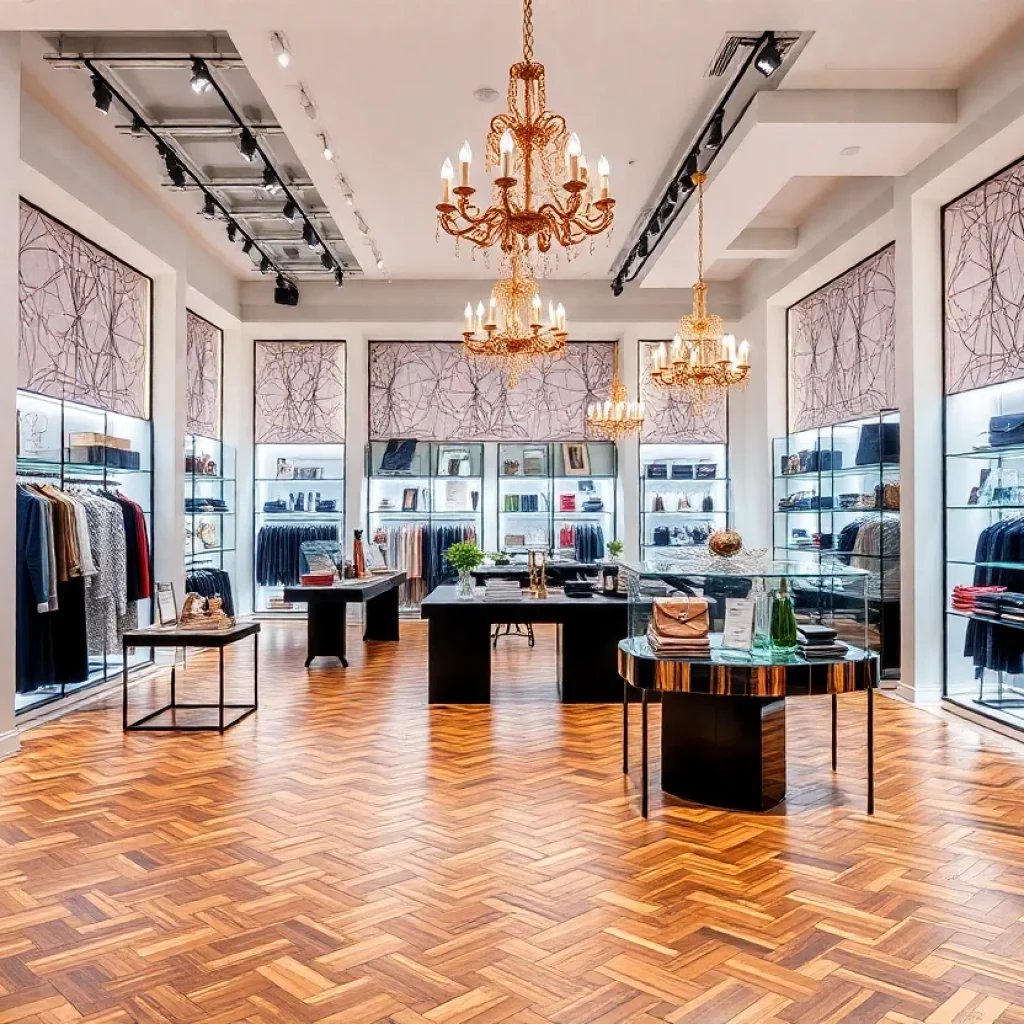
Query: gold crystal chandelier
(702, 358)
(511, 330)
(616, 417)
(544, 192)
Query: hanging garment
(990, 645)
(278, 550)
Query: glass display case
(210, 518)
(837, 502)
(422, 496)
(558, 496)
(299, 495)
(984, 506)
(684, 495)
(78, 448)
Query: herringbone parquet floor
(351, 855)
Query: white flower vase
(467, 587)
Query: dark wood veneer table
(459, 648)
(156, 636)
(325, 627)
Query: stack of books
(498, 589)
(820, 642)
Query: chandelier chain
(528, 31)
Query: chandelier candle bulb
(744, 353)
(603, 171)
(551, 315)
(465, 159)
(508, 144)
(584, 167)
(492, 312)
(573, 152)
(560, 314)
(447, 175)
(469, 318)
(480, 316)
(536, 311)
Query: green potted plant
(615, 549)
(464, 557)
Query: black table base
(325, 632)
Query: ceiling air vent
(291, 252)
(726, 54)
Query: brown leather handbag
(681, 618)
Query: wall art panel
(433, 392)
(984, 283)
(84, 319)
(842, 341)
(204, 353)
(669, 416)
(300, 392)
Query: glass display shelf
(203, 478)
(686, 512)
(1012, 451)
(770, 570)
(640, 647)
(843, 511)
(991, 620)
(291, 480)
(72, 468)
(871, 470)
(985, 508)
(987, 565)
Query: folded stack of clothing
(819, 642)
(964, 598)
(679, 627)
(593, 505)
(1011, 607)
(993, 603)
(205, 505)
(497, 588)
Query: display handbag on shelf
(808, 460)
(707, 471)
(830, 460)
(657, 471)
(659, 503)
(1006, 430)
(681, 618)
(661, 537)
(880, 443)
(891, 495)
(682, 471)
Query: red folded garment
(317, 580)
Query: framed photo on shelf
(453, 460)
(575, 459)
(410, 499)
(166, 605)
(533, 461)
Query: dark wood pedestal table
(327, 607)
(723, 718)
(156, 636)
(459, 658)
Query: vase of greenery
(464, 557)
(615, 550)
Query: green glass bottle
(783, 621)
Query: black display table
(723, 719)
(459, 665)
(327, 606)
(156, 636)
(557, 572)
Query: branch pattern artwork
(203, 359)
(984, 268)
(300, 392)
(842, 346)
(669, 416)
(433, 391)
(84, 320)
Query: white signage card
(739, 624)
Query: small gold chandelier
(702, 358)
(615, 417)
(544, 191)
(511, 331)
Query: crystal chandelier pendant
(616, 417)
(702, 358)
(543, 193)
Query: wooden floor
(352, 855)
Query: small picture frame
(410, 499)
(453, 460)
(575, 459)
(285, 470)
(166, 605)
(535, 461)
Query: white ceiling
(393, 83)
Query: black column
(382, 616)
(325, 631)
(459, 659)
(588, 659)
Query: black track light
(309, 236)
(280, 282)
(339, 277)
(290, 211)
(174, 169)
(138, 125)
(672, 194)
(232, 232)
(713, 139)
(285, 294)
(247, 145)
(101, 94)
(617, 287)
(200, 76)
(265, 265)
(769, 60)
(641, 247)
(654, 224)
(247, 246)
(209, 208)
(271, 183)
(691, 168)
(327, 261)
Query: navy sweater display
(990, 645)
(278, 549)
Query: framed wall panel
(842, 343)
(300, 392)
(204, 355)
(433, 392)
(85, 319)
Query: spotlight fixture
(617, 287)
(654, 224)
(641, 246)
(138, 125)
(769, 60)
(232, 232)
(247, 246)
(380, 262)
(672, 193)
(327, 260)
(174, 169)
(247, 145)
(200, 76)
(271, 183)
(265, 265)
(691, 168)
(307, 104)
(339, 277)
(285, 294)
(290, 211)
(361, 225)
(209, 208)
(309, 236)
(281, 51)
(328, 153)
(101, 94)
(713, 139)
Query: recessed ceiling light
(485, 94)
(281, 51)
(849, 151)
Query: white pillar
(628, 483)
(919, 391)
(357, 433)
(236, 393)
(10, 101)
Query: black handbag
(707, 471)
(661, 536)
(880, 443)
(682, 471)
(809, 460)
(1006, 430)
(829, 460)
(657, 471)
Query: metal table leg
(124, 688)
(625, 727)
(220, 702)
(871, 750)
(255, 669)
(643, 732)
(835, 714)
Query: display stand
(837, 501)
(284, 474)
(414, 494)
(45, 455)
(680, 509)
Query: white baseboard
(10, 743)
(983, 721)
